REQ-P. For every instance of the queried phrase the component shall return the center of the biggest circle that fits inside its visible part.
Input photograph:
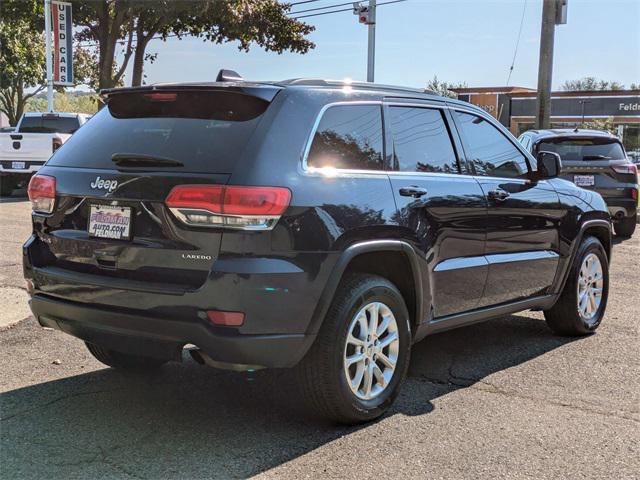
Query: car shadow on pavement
(189, 421)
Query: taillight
(247, 208)
(625, 168)
(56, 143)
(42, 193)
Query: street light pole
(49, 60)
(371, 51)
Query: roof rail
(346, 83)
(228, 76)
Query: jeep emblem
(100, 184)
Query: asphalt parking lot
(503, 399)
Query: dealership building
(515, 108)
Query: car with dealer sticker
(320, 225)
(595, 160)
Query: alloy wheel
(371, 350)
(590, 285)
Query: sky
(470, 41)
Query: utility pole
(554, 12)
(545, 65)
(371, 50)
(47, 29)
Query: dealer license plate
(584, 180)
(106, 221)
(18, 165)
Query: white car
(36, 137)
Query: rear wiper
(142, 160)
(596, 157)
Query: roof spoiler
(228, 76)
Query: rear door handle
(413, 191)
(498, 195)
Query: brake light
(247, 208)
(56, 143)
(161, 97)
(42, 193)
(625, 168)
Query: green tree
(129, 25)
(22, 63)
(444, 88)
(590, 83)
(21, 67)
(605, 124)
(81, 102)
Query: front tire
(625, 227)
(123, 361)
(582, 303)
(354, 370)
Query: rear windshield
(584, 148)
(49, 124)
(202, 131)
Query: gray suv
(594, 160)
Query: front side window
(488, 151)
(421, 141)
(349, 137)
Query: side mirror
(549, 165)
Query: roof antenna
(228, 76)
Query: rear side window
(349, 137)
(489, 152)
(583, 148)
(49, 124)
(206, 131)
(421, 141)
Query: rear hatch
(113, 176)
(592, 162)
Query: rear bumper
(625, 207)
(165, 338)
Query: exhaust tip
(197, 357)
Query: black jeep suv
(307, 223)
(595, 160)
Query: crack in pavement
(472, 383)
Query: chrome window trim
(316, 124)
(347, 172)
(484, 115)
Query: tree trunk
(138, 60)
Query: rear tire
(625, 227)
(123, 361)
(579, 310)
(350, 349)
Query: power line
(303, 1)
(122, 42)
(513, 61)
(344, 10)
(320, 8)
